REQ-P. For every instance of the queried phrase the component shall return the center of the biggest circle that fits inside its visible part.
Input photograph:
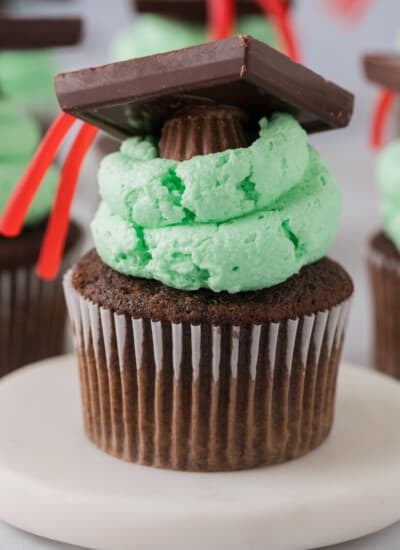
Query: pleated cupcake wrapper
(206, 398)
(384, 276)
(32, 317)
(202, 134)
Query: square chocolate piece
(383, 69)
(137, 96)
(18, 33)
(191, 10)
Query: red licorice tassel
(350, 9)
(12, 220)
(277, 10)
(57, 229)
(380, 118)
(221, 18)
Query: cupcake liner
(384, 274)
(32, 316)
(203, 397)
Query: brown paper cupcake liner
(32, 316)
(203, 397)
(384, 274)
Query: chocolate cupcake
(384, 245)
(208, 325)
(32, 312)
(165, 25)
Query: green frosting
(243, 219)
(19, 137)
(151, 34)
(388, 169)
(27, 77)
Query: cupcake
(384, 245)
(208, 322)
(170, 25)
(32, 312)
(26, 74)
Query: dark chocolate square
(136, 96)
(32, 32)
(383, 69)
(191, 10)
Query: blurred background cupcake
(32, 312)
(384, 246)
(165, 25)
(27, 74)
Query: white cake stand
(54, 483)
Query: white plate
(54, 483)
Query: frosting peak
(243, 219)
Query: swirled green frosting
(27, 77)
(19, 137)
(388, 171)
(151, 34)
(243, 219)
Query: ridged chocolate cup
(203, 397)
(202, 130)
(384, 275)
(32, 311)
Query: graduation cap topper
(189, 84)
(195, 11)
(21, 33)
(384, 70)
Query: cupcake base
(206, 382)
(32, 311)
(384, 274)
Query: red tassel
(57, 229)
(276, 9)
(221, 18)
(380, 118)
(12, 220)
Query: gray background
(333, 48)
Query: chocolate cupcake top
(318, 287)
